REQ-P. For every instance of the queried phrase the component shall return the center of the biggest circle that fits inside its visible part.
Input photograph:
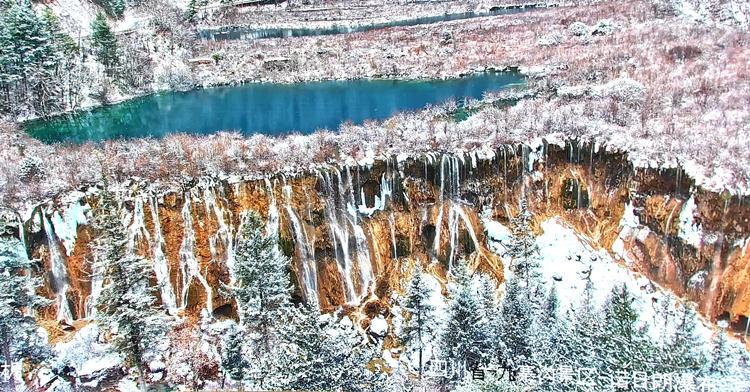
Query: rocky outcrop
(353, 232)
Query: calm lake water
(271, 109)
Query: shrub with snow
(604, 27)
(31, 168)
(578, 29)
(550, 39)
(624, 90)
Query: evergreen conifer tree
(723, 357)
(522, 247)
(262, 290)
(126, 306)
(19, 340)
(516, 323)
(419, 325)
(104, 44)
(682, 352)
(192, 10)
(463, 339)
(625, 345)
(233, 359)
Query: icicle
(60, 280)
(160, 263)
(189, 267)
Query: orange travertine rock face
(354, 233)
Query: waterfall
(345, 230)
(137, 232)
(272, 227)
(453, 178)
(339, 235)
(305, 252)
(97, 284)
(60, 280)
(161, 265)
(189, 268)
(224, 235)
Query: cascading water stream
(189, 268)
(339, 235)
(161, 265)
(303, 249)
(60, 279)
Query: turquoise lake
(273, 109)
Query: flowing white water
(272, 227)
(339, 233)
(450, 172)
(59, 271)
(160, 263)
(189, 268)
(303, 249)
(224, 235)
(137, 232)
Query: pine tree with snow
(489, 308)
(463, 339)
(233, 359)
(104, 43)
(19, 339)
(585, 331)
(522, 247)
(321, 353)
(682, 351)
(419, 324)
(723, 357)
(191, 11)
(262, 290)
(624, 343)
(516, 316)
(126, 306)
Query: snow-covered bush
(604, 27)
(571, 92)
(172, 74)
(578, 29)
(550, 39)
(30, 169)
(624, 90)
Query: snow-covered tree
(522, 247)
(419, 325)
(516, 316)
(723, 356)
(126, 306)
(104, 44)
(19, 339)
(585, 331)
(682, 352)
(624, 342)
(321, 353)
(262, 290)
(233, 358)
(463, 340)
